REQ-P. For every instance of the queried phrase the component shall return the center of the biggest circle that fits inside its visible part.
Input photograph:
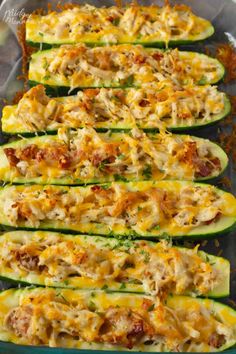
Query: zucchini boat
(154, 106)
(85, 157)
(85, 262)
(146, 25)
(135, 209)
(69, 68)
(114, 321)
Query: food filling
(63, 318)
(120, 66)
(140, 207)
(113, 24)
(161, 105)
(88, 156)
(159, 268)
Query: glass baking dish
(220, 12)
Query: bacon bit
(28, 261)
(64, 161)
(190, 154)
(144, 103)
(157, 56)
(215, 219)
(146, 304)
(40, 155)
(203, 168)
(96, 188)
(19, 319)
(10, 154)
(96, 159)
(30, 152)
(139, 59)
(186, 115)
(91, 93)
(227, 55)
(216, 340)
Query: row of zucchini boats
(98, 176)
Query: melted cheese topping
(138, 208)
(120, 66)
(66, 318)
(117, 25)
(87, 156)
(61, 260)
(161, 105)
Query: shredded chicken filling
(86, 155)
(52, 319)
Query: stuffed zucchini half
(85, 157)
(72, 67)
(135, 209)
(114, 321)
(69, 261)
(149, 26)
(154, 106)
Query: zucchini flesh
(38, 257)
(39, 29)
(124, 114)
(101, 308)
(51, 169)
(50, 67)
(77, 209)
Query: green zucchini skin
(11, 297)
(223, 225)
(154, 44)
(216, 150)
(220, 264)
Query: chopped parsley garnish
(46, 77)
(147, 172)
(123, 286)
(92, 306)
(119, 178)
(116, 21)
(151, 308)
(105, 286)
(130, 80)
